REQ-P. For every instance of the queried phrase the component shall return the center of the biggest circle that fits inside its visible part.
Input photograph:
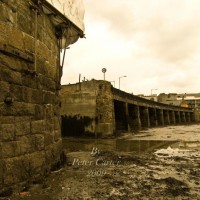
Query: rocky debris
(137, 176)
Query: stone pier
(160, 117)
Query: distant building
(152, 97)
(190, 100)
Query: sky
(154, 43)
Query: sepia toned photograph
(99, 100)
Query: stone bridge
(96, 108)
(133, 112)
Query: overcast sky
(155, 43)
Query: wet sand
(159, 163)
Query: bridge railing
(129, 96)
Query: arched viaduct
(96, 108)
(134, 113)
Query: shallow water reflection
(123, 145)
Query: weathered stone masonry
(30, 138)
(87, 108)
(96, 108)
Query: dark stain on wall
(75, 125)
(120, 116)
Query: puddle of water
(82, 144)
(124, 145)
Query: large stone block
(39, 142)
(48, 139)
(24, 22)
(30, 81)
(27, 94)
(47, 41)
(25, 18)
(37, 96)
(37, 126)
(10, 76)
(13, 63)
(47, 83)
(15, 170)
(12, 4)
(3, 37)
(57, 123)
(49, 69)
(7, 119)
(22, 128)
(10, 149)
(17, 109)
(33, 95)
(105, 128)
(1, 144)
(40, 66)
(43, 51)
(3, 29)
(29, 43)
(4, 90)
(11, 171)
(7, 132)
(40, 34)
(57, 135)
(53, 151)
(56, 108)
(22, 119)
(49, 123)
(49, 97)
(37, 164)
(12, 35)
(16, 91)
(1, 172)
(27, 144)
(41, 20)
(6, 14)
(49, 111)
(39, 112)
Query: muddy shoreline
(97, 173)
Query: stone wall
(30, 139)
(197, 115)
(105, 109)
(87, 109)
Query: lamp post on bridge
(152, 98)
(120, 78)
(152, 91)
(113, 82)
(104, 71)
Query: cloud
(174, 42)
(156, 43)
(169, 29)
(116, 14)
(171, 34)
